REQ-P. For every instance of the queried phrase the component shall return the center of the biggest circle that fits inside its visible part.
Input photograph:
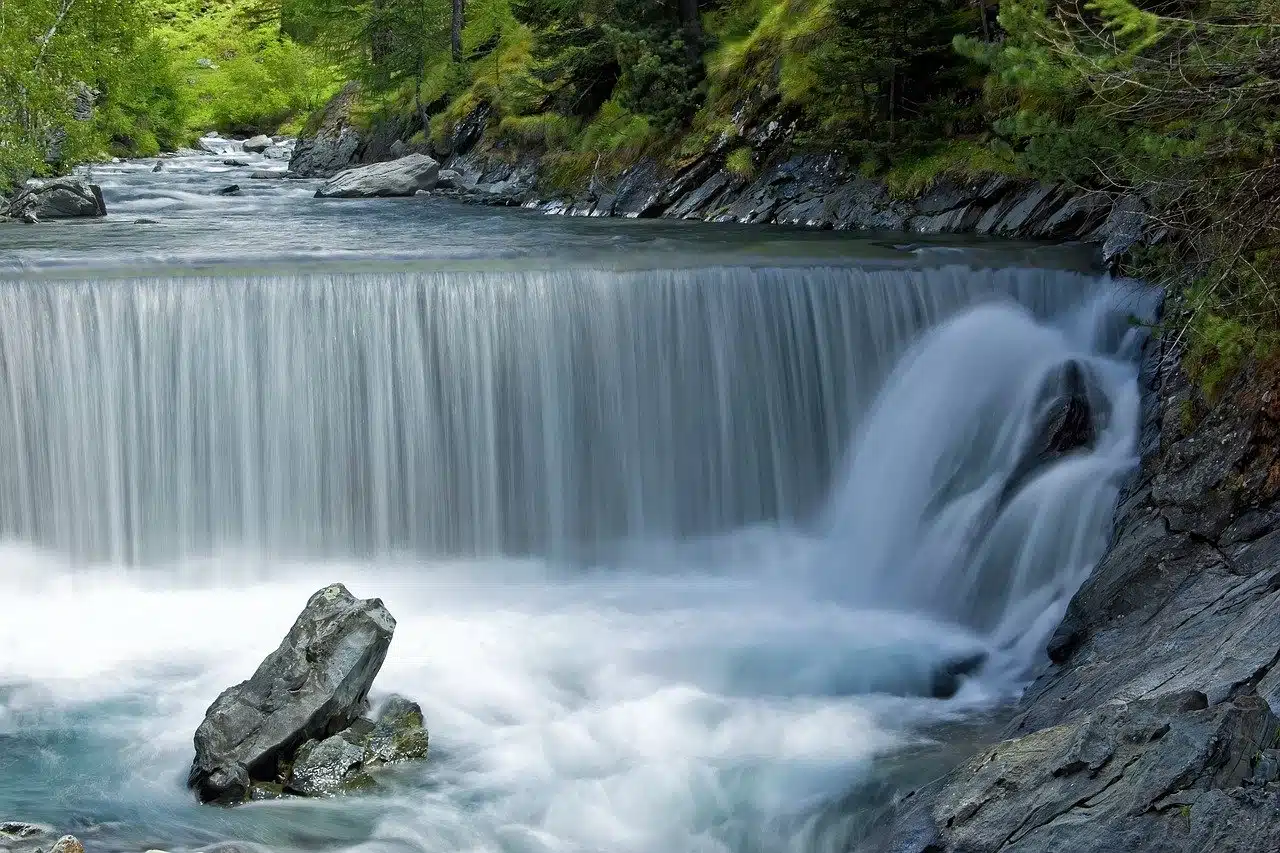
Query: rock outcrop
(314, 686)
(1155, 729)
(333, 144)
(59, 198)
(403, 177)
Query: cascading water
(674, 551)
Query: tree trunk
(692, 27)
(459, 19)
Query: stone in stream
(234, 189)
(403, 177)
(340, 764)
(60, 198)
(257, 144)
(158, 167)
(314, 686)
(237, 163)
(265, 175)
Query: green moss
(546, 130)
(740, 162)
(957, 159)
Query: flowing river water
(676, 520)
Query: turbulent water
(676, 521)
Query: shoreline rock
(60, 198)
(311, 688)
(397, 178)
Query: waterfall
(523, 412)
(676, 554)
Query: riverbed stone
(403, 177)
(312, 687)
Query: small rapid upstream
(677, 522)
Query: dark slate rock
(640, 191)
(1078, 215)
(696, 202)
(945, 195)
(233, 189)
(1031, 204)
(312, 687)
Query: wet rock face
(312, 687)
(1155, 774)
(340, 764)
(1155, 730)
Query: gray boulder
(278, 152)
(234, 189)
(333, 145)
(257, 144)
(60, 198)
(310, 688)
(403, 177)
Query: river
(676, 519)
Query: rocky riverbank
(1155, 727)
(801, 189)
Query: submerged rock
(60, 198)
(234, 189)
(949, 675)
(312, 687)
(403, 177)
(236, 163)
(12, 829)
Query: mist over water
(674, 546)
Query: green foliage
(1121, 95)
(544, 131)
(1219, 346)
(616, 129)
(243, 74)
(80, 79)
